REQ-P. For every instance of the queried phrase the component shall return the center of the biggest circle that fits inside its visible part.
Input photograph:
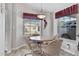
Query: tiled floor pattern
(23, 51)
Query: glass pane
(32, 27)
(35, 27)
(67, 27)
(27, 27)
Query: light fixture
(41, 16)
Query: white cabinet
(69, 46)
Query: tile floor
(23, 51)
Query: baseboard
(15, 49)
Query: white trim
(17, 48)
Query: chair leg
(27, 54)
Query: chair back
(28, 42)
(53, 48)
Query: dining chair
(33, 50)
(53, 48)
(28, 45)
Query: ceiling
(49, 7)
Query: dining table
(39, 41)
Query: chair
(56, 37)
(28, 45)
(53, 48)
(33, 50)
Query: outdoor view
(67, 27)
(32, 27)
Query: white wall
(48, 31)
(2, 31)
(8, 26)
(77, 26)
(77, 31)
(55, 24)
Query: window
(32, 27)
(67, 27)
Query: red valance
(30, 16)
(68, 11)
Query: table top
(38, 38)
(35, 41)
(35, 38)
(41, 40)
